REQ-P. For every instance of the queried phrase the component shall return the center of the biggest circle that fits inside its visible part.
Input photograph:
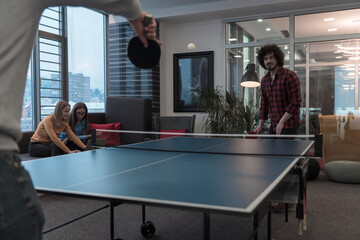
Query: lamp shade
(250, 78)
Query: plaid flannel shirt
(280, 97)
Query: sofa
(133, 113)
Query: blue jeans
(37, 149)
(21, 216)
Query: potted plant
(226, 113)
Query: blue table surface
(226, 182)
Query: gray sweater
(18, 24)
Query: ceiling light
(329, 19)
(237, 56)
(351, 48)
(354, 58)
(332, 29)
(268, 29)
(339, 57)
(232, 39)
(259, 20)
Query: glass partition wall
(325, 57)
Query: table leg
(206, 226)
(111, 220)
(256, 225)
(269, 226)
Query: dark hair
(58, 110)
(73, 117)
(272, 48)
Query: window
(324, 57)
(86, 58)
(257, 30)
(50, 60)
(327, 24)
(51, 21)
(27, 119)
(50, 75)
(48, 78)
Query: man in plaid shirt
(280, 93)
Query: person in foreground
(79, 124)
(280, 93)
(45, 142)
(21, 216)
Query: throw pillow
(162, 136)
(111, 138)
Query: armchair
(341, 137)
(174, 123)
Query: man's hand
(258, 130)
(144, 32)
(282, 121)
(279, 128)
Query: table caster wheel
(147, 229)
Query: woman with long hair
(79, 124)
(45, 142)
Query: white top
(19, 21)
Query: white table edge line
(148, 200)
(271, 187)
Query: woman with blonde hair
(45, 142)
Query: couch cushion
(343, 171)
(111, 138)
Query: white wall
(207, 36)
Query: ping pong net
(236, 144)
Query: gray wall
(207, 36)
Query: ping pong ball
(191, 46)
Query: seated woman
(79, 124)
(45, 142)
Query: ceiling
(195, 10)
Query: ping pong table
(223, 175)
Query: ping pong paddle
(139, 55)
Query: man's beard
(271, 68)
